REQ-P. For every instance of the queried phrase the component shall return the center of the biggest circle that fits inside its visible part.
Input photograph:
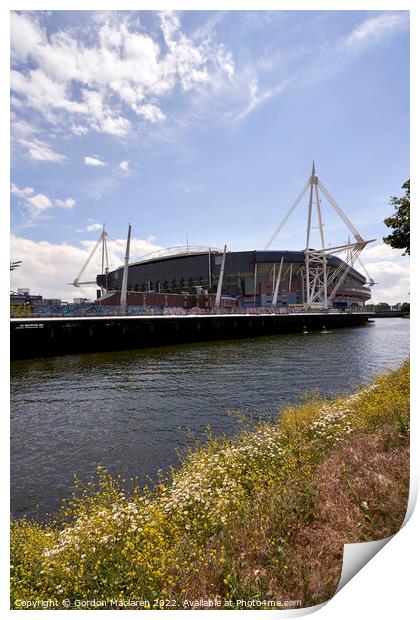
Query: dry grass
(362, 495)
(290, 545)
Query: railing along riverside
(73, 311)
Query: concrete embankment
(40, 337)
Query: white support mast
(288, 214)
(104, 260)
(290, 276)
(220, 282)
(123, 298)
(370, 281)
(104, 256)
(321, 282)
(210, 282)
(276, 290)
(255, 283)
(315, 261)
(308, 232)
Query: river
(132, 411)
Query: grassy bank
(259, 517)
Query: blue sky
(203, 123)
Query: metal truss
(315, 277)
(321, 280)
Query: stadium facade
(249, 277)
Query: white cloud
(94, 161)
(93, 226)
(257, 98)
(21, 192)
(67, 203)
(111, 76)
(25, 36)
(259, 81)
(36, 204)
(25, 139)
(79, 130)
(150, 112)
(124, 165)
(376, 28)
(115, 126)
(390, 270)
(47, 267)
(93, 78)
(41, 151)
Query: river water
(131, 411)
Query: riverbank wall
(390, 314)
(42, 337)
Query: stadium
(201, 276)
(249, 279)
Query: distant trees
(400, 221)
(405, 308)
(383, 306)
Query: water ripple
(126, 410)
